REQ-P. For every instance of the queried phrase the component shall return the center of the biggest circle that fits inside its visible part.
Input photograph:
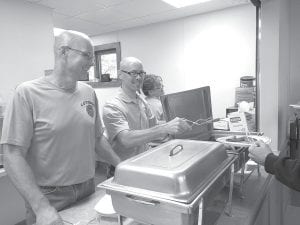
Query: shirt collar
(125, 98)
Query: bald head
(130, 63)
(72, 39)
(74, 54)
(131, 74)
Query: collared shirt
(124, 113)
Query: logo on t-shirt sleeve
(89, 108)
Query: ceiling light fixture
(183, 3)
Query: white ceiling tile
(33, 1)
(58, 18)
(205, 8)
(128, 24)
(100, 16)
(113, 2)
(177, 13)
(95, 30)
(79, 25)
(104, 16)
(72, 8)
(160, 17)
(237, 2)
(121, 26)
(104, 29)
(138, 8)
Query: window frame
(102, 50)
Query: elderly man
(128, 119)
(51, 131)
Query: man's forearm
(132, 138)
(22, 177)
(105, 151)
(285, 169)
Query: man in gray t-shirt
(51, 132)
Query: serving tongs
(204, 121)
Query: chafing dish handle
(172, 152)
(144, 202)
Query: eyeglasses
(88, 55)
(135, 74)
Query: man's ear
(62, 51)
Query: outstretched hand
(177, 126)
(259, 151)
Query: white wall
(295, 51)
(279, 73)
(269, 70)
(284, 73)
(213, 49)
(26, 42)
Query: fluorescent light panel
(183, 3)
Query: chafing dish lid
(176, 169)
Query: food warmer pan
(176, 183)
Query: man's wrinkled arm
(105, 151)
(23, 179)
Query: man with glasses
(128, 120)
(50, 133)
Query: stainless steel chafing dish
(175, 183)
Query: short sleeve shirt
(57, 129)
(124, 113)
